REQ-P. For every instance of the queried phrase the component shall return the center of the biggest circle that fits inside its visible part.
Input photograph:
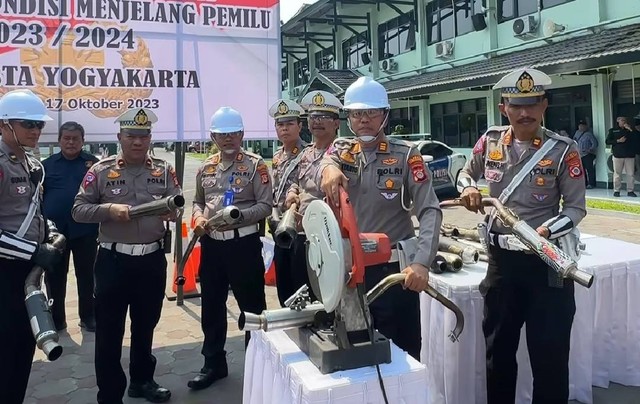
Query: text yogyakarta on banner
(96, 55)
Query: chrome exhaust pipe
(548, 252)
(439, 264)
(468, 254)
(454, 262)
(395, 279)
(270, 320)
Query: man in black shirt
(623, 141)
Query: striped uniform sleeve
(14, 247)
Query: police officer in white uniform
(323, 116)
(519, 287)
(287, 115)
(131, 268)
(386, 180)
(23, 235)
(231, 255)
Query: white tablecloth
(277, 372)
(605, 339)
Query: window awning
(608, 47)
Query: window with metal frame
(396, 36)
(510, 9)
(404, 121)
(353, 50)
(301, 72)
(324, 59)
(447, 19)
(284, 77)
(459, 123)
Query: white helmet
(23, 104)
(226, 120)
(366, 93)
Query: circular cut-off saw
(337, 333)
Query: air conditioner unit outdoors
(444, 49)
(389, 65)
(525, 27)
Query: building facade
(439, 59)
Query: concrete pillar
(601, 107)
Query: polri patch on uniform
(493, 175)
(415, 160)
(172, 171)
(540, 197)
(113, 174)
(479, 146)
(389, 195)
(263, 170)
(418, 171)
(575, 171)
(89, 178)
(572, 156)
(390, 161)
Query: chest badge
(113, 174)
(157, 172)
(389, 161)
(545, 163)
(389, 184)
(21, 190)
(539, 181)
(116, 191)
(495, 155)
(389, 195)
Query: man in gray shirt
(588, 148)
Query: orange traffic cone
(269, 262)
(189, 288)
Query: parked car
(445, 166)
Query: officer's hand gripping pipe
(39, 309)
(160, 207)
(553, 256)
(270, 320)
(286, 231)
(229, 215)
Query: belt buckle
(138, 249)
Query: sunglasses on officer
(238, 133)
(28, 124)
(370, 113)
(322, 118)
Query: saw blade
(325, 254)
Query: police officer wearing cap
(323, 117)
(386, 180)
(65, 171)
(131, 268)
(519, 287)
(24, 235)
(285, 170)
(232, 254)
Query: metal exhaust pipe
(278, 319)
